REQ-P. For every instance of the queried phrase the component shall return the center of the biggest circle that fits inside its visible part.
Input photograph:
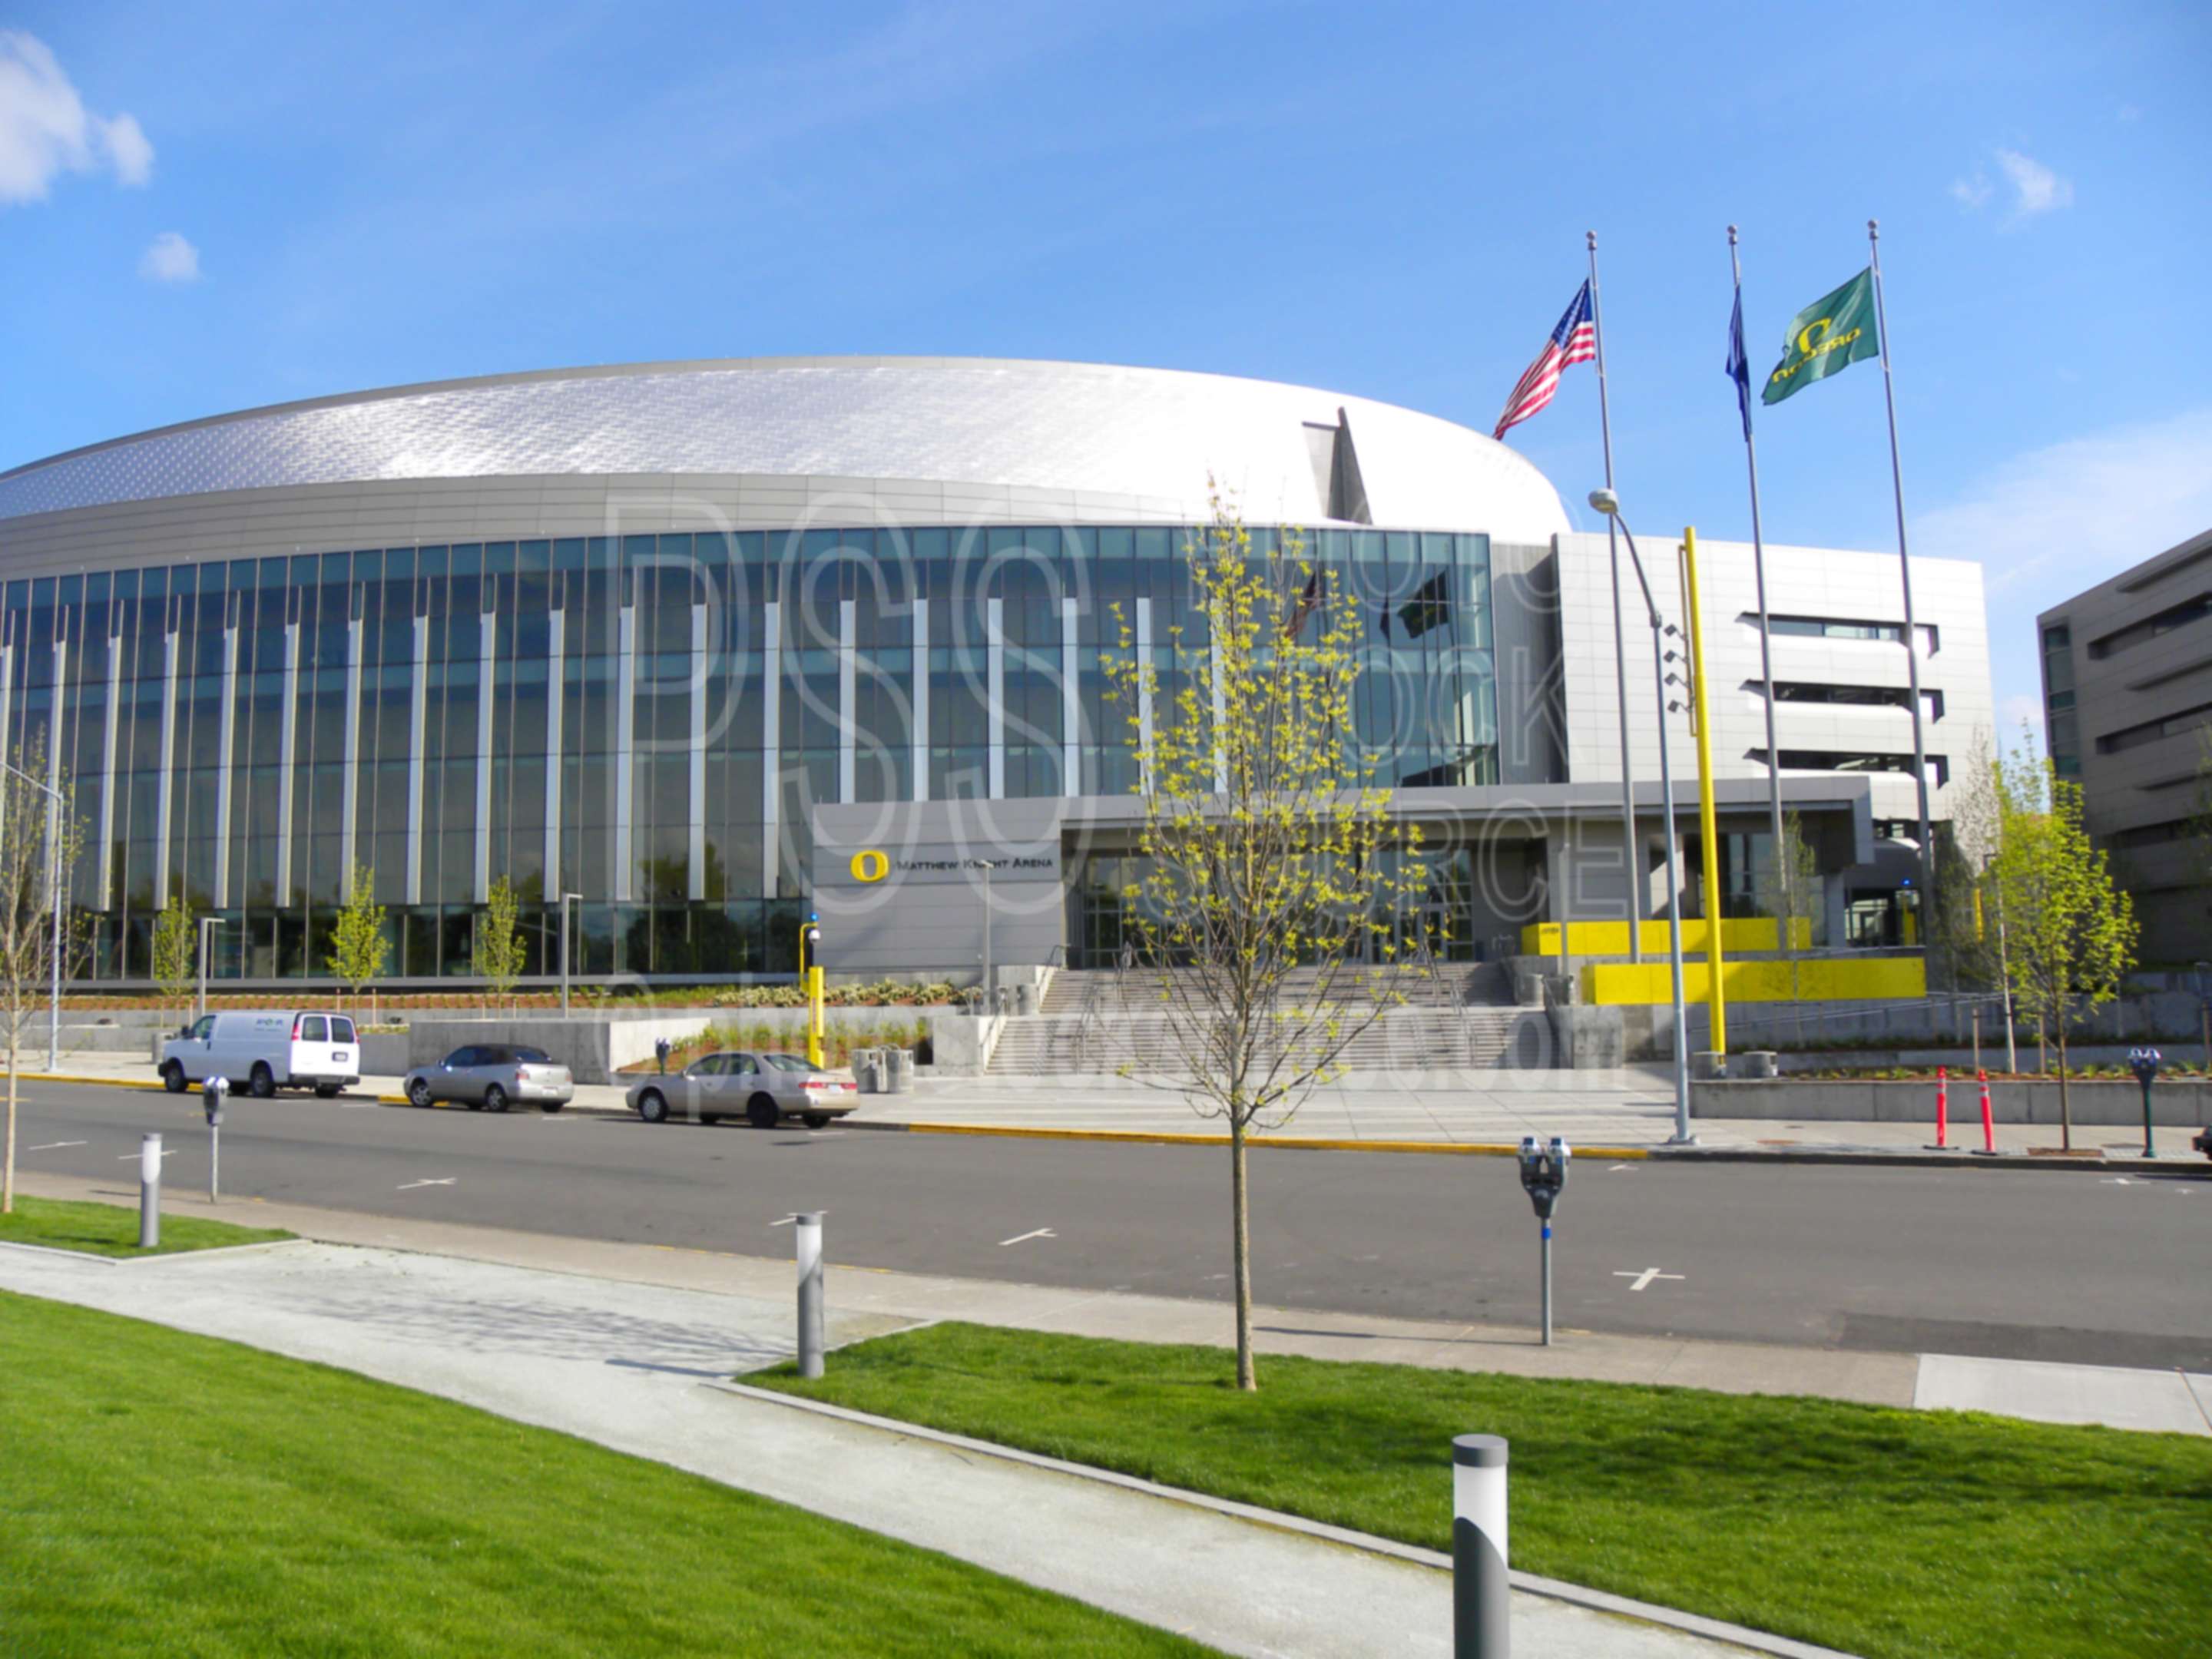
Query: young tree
(497, 956)
(2070, 932)
(38, 846)
(1266, 848)
(175, 966)
(359, 949)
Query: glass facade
(643, 721)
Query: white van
(264, 1050)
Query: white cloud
(2036, 188)
(2033, 188)
(170, 259)
(2089, 505)
(45, 129)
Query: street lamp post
(566, 899)
(1607, 503)
(208, 924)
(990, 1001)
(54, 860)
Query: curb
(1284, 1143)
(1782, 1647)
(1862, 1157)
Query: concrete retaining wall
(2180, 1104)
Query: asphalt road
(2044, 1265)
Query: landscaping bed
(1890, 1534)
(167, 1494)
(112, 1230)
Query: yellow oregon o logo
(871, 865)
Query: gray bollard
(810, 1293)
(1481, 1595)
(149, 1192)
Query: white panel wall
(1801, 582)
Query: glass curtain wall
(641, 721)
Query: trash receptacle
(868, 1070)
(1024, 998)
(901, 1071)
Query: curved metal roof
(1087, 428)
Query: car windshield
(533, 1056)
(787, 1062)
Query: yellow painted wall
(1828, 979)
(1610, 938)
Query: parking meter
(661, 1054)
(1544, 1177)
(1544, 1173)
(2144, 1063)
(212, 1099)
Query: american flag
(1574, 340)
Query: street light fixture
(1606, 503)
(207, 923)
(565, 900)
(54, 859)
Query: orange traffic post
(1943, 1104)
(1988, 1122)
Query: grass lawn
(112, 1229)
(1881, 1532)
(168, 1494)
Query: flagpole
(1782, 895)
(1905, 567)
(1632, 860)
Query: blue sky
(206, 207)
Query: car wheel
(418, 1092)
(814, 1120)
(494, 1099)
(173, 1077)
(262, 1083)
(761, 1112)
(652, 1107)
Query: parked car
(2204, 1142)
(762, 1089)
(264, 1050)
(489, 1077)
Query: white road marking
(1643, 1280)
(1610, 1168)
(441, 1180)
(358, 1105)
(52, 1145)
(166, 1151)
(2116, 1181)
(1041, 1232)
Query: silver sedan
(490, 1076)
(762, 1089)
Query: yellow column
(1700, 713)
(810, 979)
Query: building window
(1846, 627)
(1868, 697)
(2134, 737)
(2150, 628)
(1836, 760)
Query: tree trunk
(2065, 1104)
(1248, 1379)
(8, 1171)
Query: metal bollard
(810, 1293)
(149, 1192)
(1481, 1594)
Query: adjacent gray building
(2127, 696)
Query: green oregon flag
(1826, 337)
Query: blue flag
(1739, 366)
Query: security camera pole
(1544, 1177)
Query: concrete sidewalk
(1631, 1108)
(635, 1367)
